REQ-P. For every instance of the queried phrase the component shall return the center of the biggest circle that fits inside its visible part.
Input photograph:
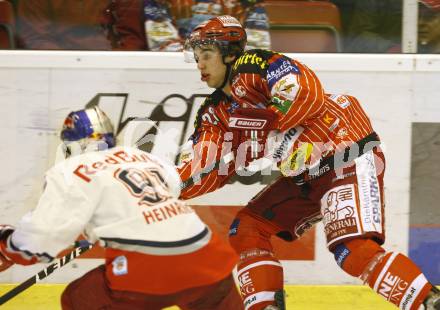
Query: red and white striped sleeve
(203, 172)
(283, 84)
(297, 97)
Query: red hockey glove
(5, 232)
(250, 128)
(5, 263)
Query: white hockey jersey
(122, 196)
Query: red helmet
(225, 31)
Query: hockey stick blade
(45, 272)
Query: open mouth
(205, 77)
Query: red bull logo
(69, 122)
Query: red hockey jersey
(309, 125)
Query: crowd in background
(367, 26)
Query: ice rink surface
(335, 297)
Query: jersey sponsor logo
(409, 298)
(314, 172)
(295, 164)
(86, 172)
(186, 155)
(287, 87)
(369, 192)
(375, 198)
(413, 291)
(233, 229)
(250, 301)
(259, 297)
(306, 224)
(247, 123)
(343, 176)
(288, 138)
(341, 100)
(341, 253)
(342, 133)
(234, 105)
(240, 91)
(392, 287)
(69, 121)
(328, 119)
(278, 69)
(246, 285)
(335, 210)
(339, 212)
(281, 105)
(334, 125)
(252, 59)
(120, 266)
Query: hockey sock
(260, 279)
(400, 281)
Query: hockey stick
(207, 170)
(329, 163)
(226, 159)
(82, 248)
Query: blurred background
(333, 26)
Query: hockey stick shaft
(329, 163)
(45, 272)
(196, 178)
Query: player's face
(210, 64)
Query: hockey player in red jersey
(158, 252)
(267, 106)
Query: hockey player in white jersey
(158, 252)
